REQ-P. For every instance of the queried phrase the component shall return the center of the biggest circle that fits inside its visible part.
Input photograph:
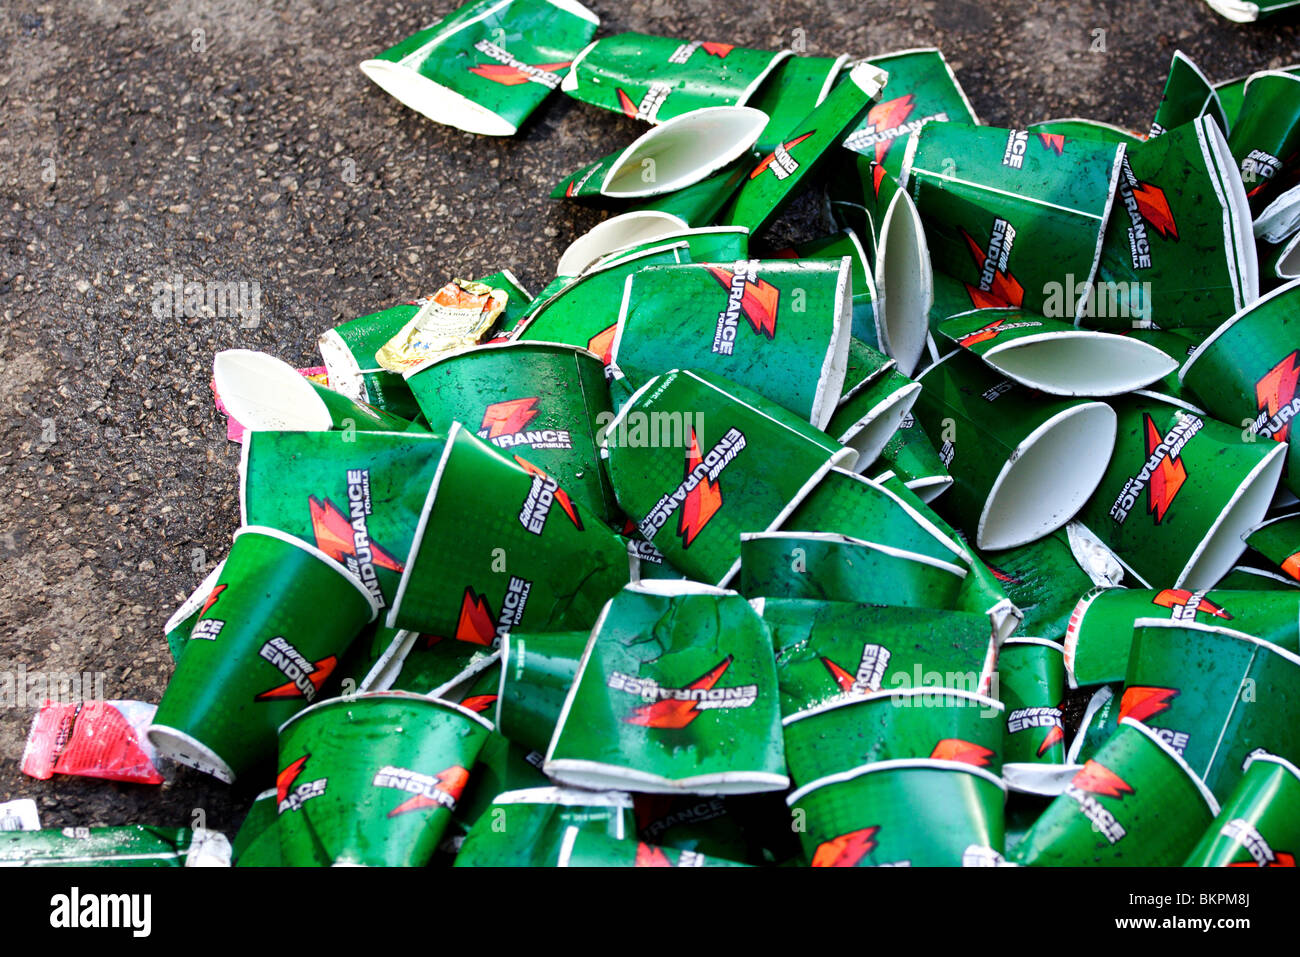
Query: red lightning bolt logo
(625, 103)
(648, 855)
(678, 714)
(602, 343)
(842, 677)
(321, 670)
(967, 752)
(1004, 291)
(561, 497)
(1054, 142)
(212, 599)
(1141, 702)
(702, 502)
(1056, 734)
(284, 780)
(475, 623)
(510, 75)
(508, 417)
(1292, 566)
(1166, 479)
(991, 331)
(1276, 390)
(887, 116)
(1099, 779)
(847, 849)
(1154, 207)
(450, 782)
(1179, 597)
(334, 535)
(766, 161)
(759, 304)
(719, 50)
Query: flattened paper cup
(1031, 685)
(910, 455)
(1266, 135)
(1280, 261)
(1053, 356)
(794, 89)
(257, 844)
(836, 246)
(268, 638)
(1179, 493)
(1022, 465)
(358, 501)
(777, 177)
(527, 828)
(1178, 250)
(941, 724)
(501, 548)
(676, 692)
(1259, 823)
(1044, 580)
(1013, 215)
(265, 393)
(179, 626)
(372, 780)
(617, 232)
(581, 848)
(698, 205)
(1248, 369)
(829, 567)
(1213, 695)
(1136, 804)
(1100, 632)
(695, 460)
(488, 65)
(778, 327)
(671, 156)
(1188, 96)
(1072, 127)
(908, 813)
(536, 673)
(870, 414)
(541, 404)
(1278, 540)
(657, 78)
(583, 311)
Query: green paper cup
(501, 767)
(827, 652)
(1213, 695)
(676, 692)
(910, 813)
(1136, 804)
(1054, 357)
(1278, 540)
(1044, 580)
(794, 89)
(778, 327)
(133, 845)
(1188, 96)
(1266, 135)
(265, 394)
(257, 844)
(635, 228)
(870, 414)
(778, 176)
(1179, 493)
(269, 636)
(1178, 250)
(488, 65)
(536, 674)
(541, 404)
(747, 464)
(907, 724)
(699, 205)
(527, 556)
(1031, 684)
(1022, 465)
(835, 247)
(827, 567)
(179, 626)
(1247, 371)
(1017, 217)
(582, 848)
(673, 155)
(357, 497)
(910, 455)
(657, 78)
(704, 244)
(1100, 631)
(372, 780)
(1259, 823)
(527, 828)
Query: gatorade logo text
(886, 122)
(1014, 155)
(648, 108)
(1146, 205)
(706, 809)
(1023, 719)
(683, 52)
(512, 72)
(543, 493)
(779, 161)
(1092, 779)
(1163, 474)
(1277, 401)
(698, 496)
(346, 538)
(476, 624)
(678, 707)
(1259, 165)
(291, 798)
(504, 425)
(847, 850)
(1186, 604)
(427, 790)
(207, 629)
(993, 330)
(967, 752)
(305, 677)
(1245, 833)
(870, 673)
(996, 287)
(747, 295)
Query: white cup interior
(873, 431)
(904, 284)
(1082, 363)
(614, 233)
(684, 150)
(265, 393)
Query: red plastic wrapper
(92, 739)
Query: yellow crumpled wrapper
(457, 316)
